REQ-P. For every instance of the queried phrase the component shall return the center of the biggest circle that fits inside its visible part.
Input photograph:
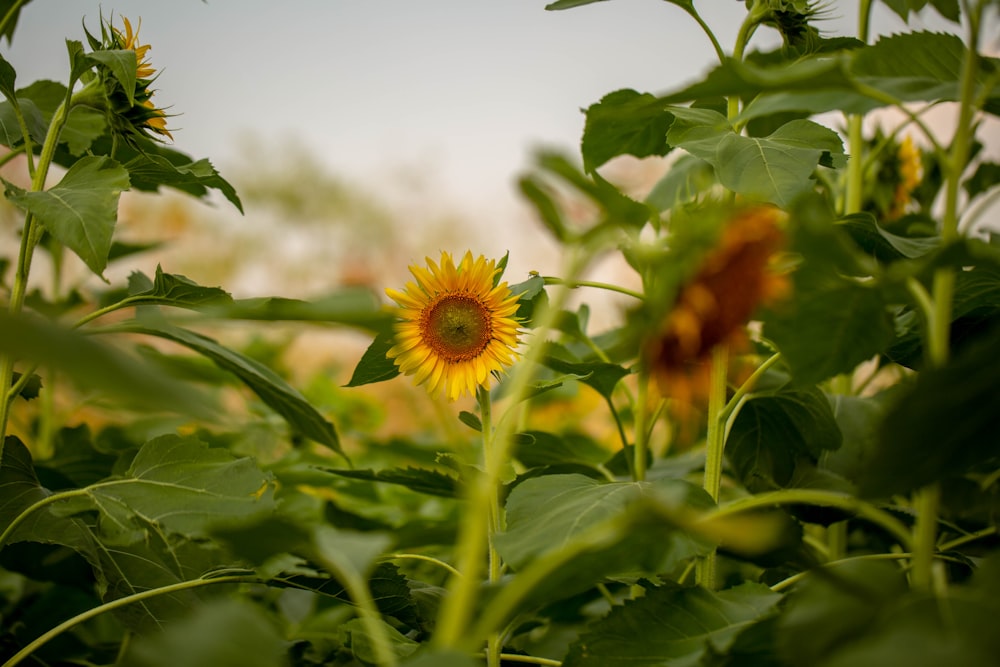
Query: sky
(460, 91)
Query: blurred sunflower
(456, 326)
(714, 305)
(909, 173)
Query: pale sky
(468, 87)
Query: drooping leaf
(268, 385)
(10, 129)
(624, 122)
(158, 166)
(175, 290)
(671, 625)
(374, 366)
(82, 209)
(601, 376)
(777, 430)
(91, 365)
(874, 240)
(178, 484)
(422, 480)
(354, 306)
(122, 64)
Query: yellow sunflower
(456, 326)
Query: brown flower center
(457, 327)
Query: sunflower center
(457, 327)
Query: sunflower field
(784, 452)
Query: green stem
(494, 642)
(30, 236)
(46, 637)
(529, 659)
(456, 610)
(820, 498)
(693, 13)
(641, 430)
(926, 504)
(427, 559)
(552, 280)
(715, 443)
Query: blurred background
(364, 135)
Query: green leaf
(122, 63)
(470, 420)
(779, 167)
(624, 122)
(180, 292)
(548, 211)
(882, 244)
(685, 181)
(355, 306)
(83, 127)
(536, 449)
(7, 78)
(268, 385)
(177, 484)
(374, 366)
(921, 440)
(688, 622)
(776, 432)
(531, 296)
(91, 365)
(829, 329)
(421, 480)
(913, 66)
(81, 210)
(545, 513)
(601, 376)
(13, 9)
(157, 166)
(205, 636)
(363, 644)
(985, 178)
(10, 128)
(698, 131)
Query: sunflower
(456, 325)
(713, 307)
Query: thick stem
(30, 236)
(456, 610)
(715, 443)
(494, 642)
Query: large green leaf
(178, 484)
(10, 129)
(779, 167)
(83, 127)
(775, 431)
(671, 625)
(698, 131)
(81, 210)
(829, 329)
(546, 513)
(913, 66)
(355, 306)
(268, 385)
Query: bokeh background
(364, 135)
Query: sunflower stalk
(473, 538)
